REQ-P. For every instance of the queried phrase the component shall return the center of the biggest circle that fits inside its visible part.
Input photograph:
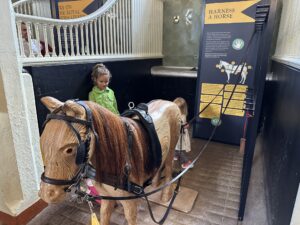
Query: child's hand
(186, 126)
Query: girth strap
(110, 179)
(155, 154)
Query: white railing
(120, 29)
(41, 8)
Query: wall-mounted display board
(71, 9)
(227, 31)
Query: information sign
(71, 9)
(228, 27)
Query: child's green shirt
(105, 98)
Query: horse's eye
(69, 151)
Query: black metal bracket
(261, 16)
(249, 104)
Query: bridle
(82, 148)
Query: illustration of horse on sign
(231, 68)
(80, 134)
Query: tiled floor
(216, 176)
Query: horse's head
(64, 142)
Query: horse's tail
(182, 105)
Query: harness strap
(155, 153)
(133, 188)
(73, 181)
(90, 172)
(66, 118)
(89, 116)
(84, 147)
(82, 150)
(56, 181)
(127, 169)
(130, 139)
(109, 179)
(162, 220)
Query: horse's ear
(72, 108)
(51, 103)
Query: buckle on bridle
(137, 189)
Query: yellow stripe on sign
(73, 9)
(212, 111)
(233, 112)
(228, 12)
(234, 104)
(237, 96)
(239, 88)
(211, 98)
(212, 89)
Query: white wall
(20, 157)
(288, 42)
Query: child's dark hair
(99, 70)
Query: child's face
(102, 81)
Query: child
(184, 143)
(105, 97)
(101, 93)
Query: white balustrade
(120, 29)
(40, 8)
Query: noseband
(82, 149)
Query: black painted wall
(131, 81)
(170, 88)
(281, 142)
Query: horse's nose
(51, 194)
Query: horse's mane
(112, 152)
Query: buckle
(136, 189)
(127, 169)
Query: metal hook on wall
(189, 16)
(176, 19)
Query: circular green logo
(238, 44)
(216, 121)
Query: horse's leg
(167, 191)
(106, 209)
(130, 211)
(156, 179)
(243, 79)
(228, 77)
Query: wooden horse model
(67, 132)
